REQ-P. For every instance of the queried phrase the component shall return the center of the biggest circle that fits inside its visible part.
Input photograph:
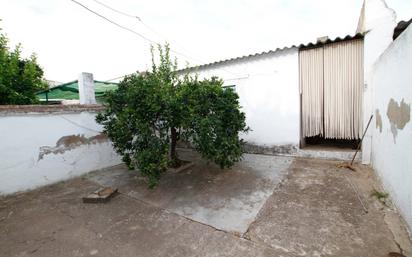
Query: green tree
(20, 78)
(151, 112)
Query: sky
(68, 39)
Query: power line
(119, 77)
(108, 80)
(128, 29)
(147, 26)
(143, 23)
(115, 10)
(135, 32)
(114, 23)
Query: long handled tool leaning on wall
(350, 165)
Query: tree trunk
(173, 155)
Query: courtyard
(263, 206)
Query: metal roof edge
(330, 41)
(301, 46)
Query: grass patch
(381, 196)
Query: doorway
(331, 93)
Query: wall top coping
(9, 110)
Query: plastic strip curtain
(343, 90)
(331, 79)
(311, 89)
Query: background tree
(20, 78)
(151, 112)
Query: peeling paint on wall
(378, 119)
(68, 143)
(28, 161)
(399, 115)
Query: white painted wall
(379, 22)
(391, 78)
(22, 136)
(268, 88)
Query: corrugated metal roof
(301, 46)
(402, 25)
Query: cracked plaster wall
(38, 149)
(378, 21)
(391, 80)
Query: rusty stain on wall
(378, 119)
(68, 143)
(399, 115)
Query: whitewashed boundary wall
(41, 145)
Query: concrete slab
(319, 152)
(316, 212)
(53, 221)
(313, 211)
(224, 199)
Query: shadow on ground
(224, 199)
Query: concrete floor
(264, 206)
(224, 199)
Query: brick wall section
(13, 109)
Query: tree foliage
(20, 78)
(151, 112)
